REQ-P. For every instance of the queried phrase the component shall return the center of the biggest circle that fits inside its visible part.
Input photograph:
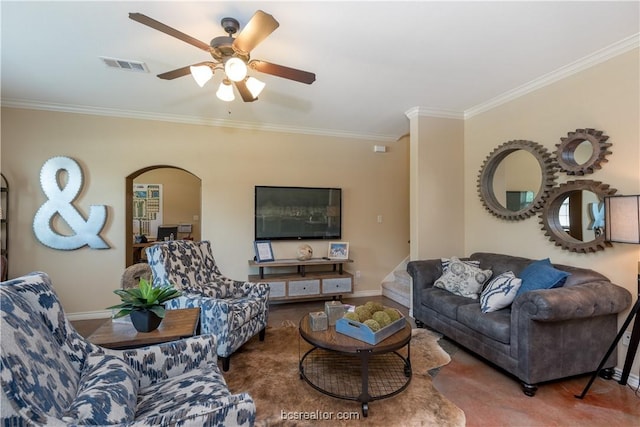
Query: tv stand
(300, 283)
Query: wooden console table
(304, 283)
(337, 264)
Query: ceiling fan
(232, 55)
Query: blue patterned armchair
(52, 376)
(232, 310)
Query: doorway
(181, 204)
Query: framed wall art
(338, 250)
(263, 249)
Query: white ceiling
(374, 61)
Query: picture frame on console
(264, 251)
(338, 250)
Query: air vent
(125, 64)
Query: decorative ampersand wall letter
(60, 202)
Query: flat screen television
(298, 213)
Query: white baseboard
(364, 294)
(89, 315)
(633, 380)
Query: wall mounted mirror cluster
(582, 151)
(573, 217)
(517, 181)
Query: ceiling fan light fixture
(255, 86)
(201, 74)
(236, 69)
(225, 91)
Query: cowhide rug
(268, 371)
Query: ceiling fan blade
(156, 25)
(282, 71)
(244, 91)
(184, 71)
(257, 29)
(174, 74)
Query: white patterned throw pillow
(446, 261)
(463, 279)
(500, 292)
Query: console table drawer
(304, 287)
(277, 289)
(336, 285)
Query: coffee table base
(363, 376)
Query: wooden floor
(487, 395)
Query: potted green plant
(145, 304)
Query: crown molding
(129, 114)
(602, 55)
(430, 112)
(623, 46)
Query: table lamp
(622, 225)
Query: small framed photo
(263, 250)
(338, 250)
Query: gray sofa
(544, 335)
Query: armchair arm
(224, 287)
(573, 302)
(184, 301)
(161, 361)
(253, 289)
(240, 288)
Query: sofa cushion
(541, 275)
(444, 302)
(495, 325)
(178, 396)
(107, 393)
(499, 292)
(463, 279)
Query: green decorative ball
(351, 315)
(382, 318)
(392, 313)
(374, 306)
(363, 313)
(372, 324)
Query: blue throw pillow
(541, 275)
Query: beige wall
(228, 161)
(605, 97)
(437, 187)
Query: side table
(343, 367)
(177, 324)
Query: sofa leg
(225, 363)
(529, 389)
(606, 373)
(420, 324)
(262, 333)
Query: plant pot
(145, 320)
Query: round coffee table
(344, 367)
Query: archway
(171, 177)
